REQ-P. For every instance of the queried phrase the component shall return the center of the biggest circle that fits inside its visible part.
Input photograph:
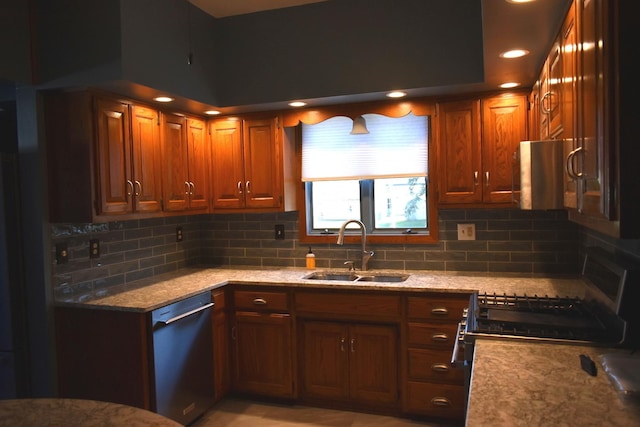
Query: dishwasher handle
(187, 314)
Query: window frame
(389, 109)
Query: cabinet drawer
(440, 335)
(261, 300)
(348, 304)
(437, 307)
(438, 400)
(425, 364)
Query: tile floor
(245, 413)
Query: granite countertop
(149, 294)
(76, 412)
(524, 383)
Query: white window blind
(393, 148)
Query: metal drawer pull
(441, 401)
(439, 367)
(259, 301)
(342, 340)
(353, 345)
(440, 337)
(440, 311)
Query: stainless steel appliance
(541, 175)
(183, 358)
(607, 315)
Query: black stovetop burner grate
(562, 318)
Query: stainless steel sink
(355, 277)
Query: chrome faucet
(366, 255)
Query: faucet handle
(351, 266)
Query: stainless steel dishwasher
(183, 358)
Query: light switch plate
(466, 232)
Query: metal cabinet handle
(440, 311)
(441, 401)
(139, 186)
(543, 107)
(259, 301)
(486, 178)
(475, 178)
(192, 188)
(130, 184)
(440, 337)
(188, 187)
(247, 186)
(342, 340)
(570, 162)
(456, 347)
(439, 367)
(239, 187)
(353, 345)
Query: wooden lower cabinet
(262, 343)
(432, 387)
(344, 362)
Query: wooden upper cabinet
(504, 126)
(113, 148)
(184, 163)
(459, 152)
(247, 163)
(551, 94)
(477, 143)
(128, 158)
(145, 141)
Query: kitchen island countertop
(149, 294)
(528, 383)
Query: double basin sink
(358, 277)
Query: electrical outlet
(94, 248)
(466, 232)
(279, 231)
(62, 253)
(179, 234)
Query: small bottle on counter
(311, 259)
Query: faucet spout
(366, 255)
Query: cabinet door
(175, 162)
(459, 152)
(569, 100)
(227, 164)
(373, 364)
(198, 156)
(263, 360)
(595, 198)
(504, 126)
(262, 162)
(551, 97)
(221, 370)
(145, 138)
(324, 364)
(113, 147)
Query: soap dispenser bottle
(311, 259)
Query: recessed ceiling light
(212, 112)
(519, 1)
(163, 99)
(297, 104)
(509, 85)
(396, 94)
(515, 53)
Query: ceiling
(530, 26)
(224, 8)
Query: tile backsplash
(507, 241)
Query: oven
(606, 315)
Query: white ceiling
(222, 8)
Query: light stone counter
(150, 294)
(516, 383)
(76, 412)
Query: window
(379, 178)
